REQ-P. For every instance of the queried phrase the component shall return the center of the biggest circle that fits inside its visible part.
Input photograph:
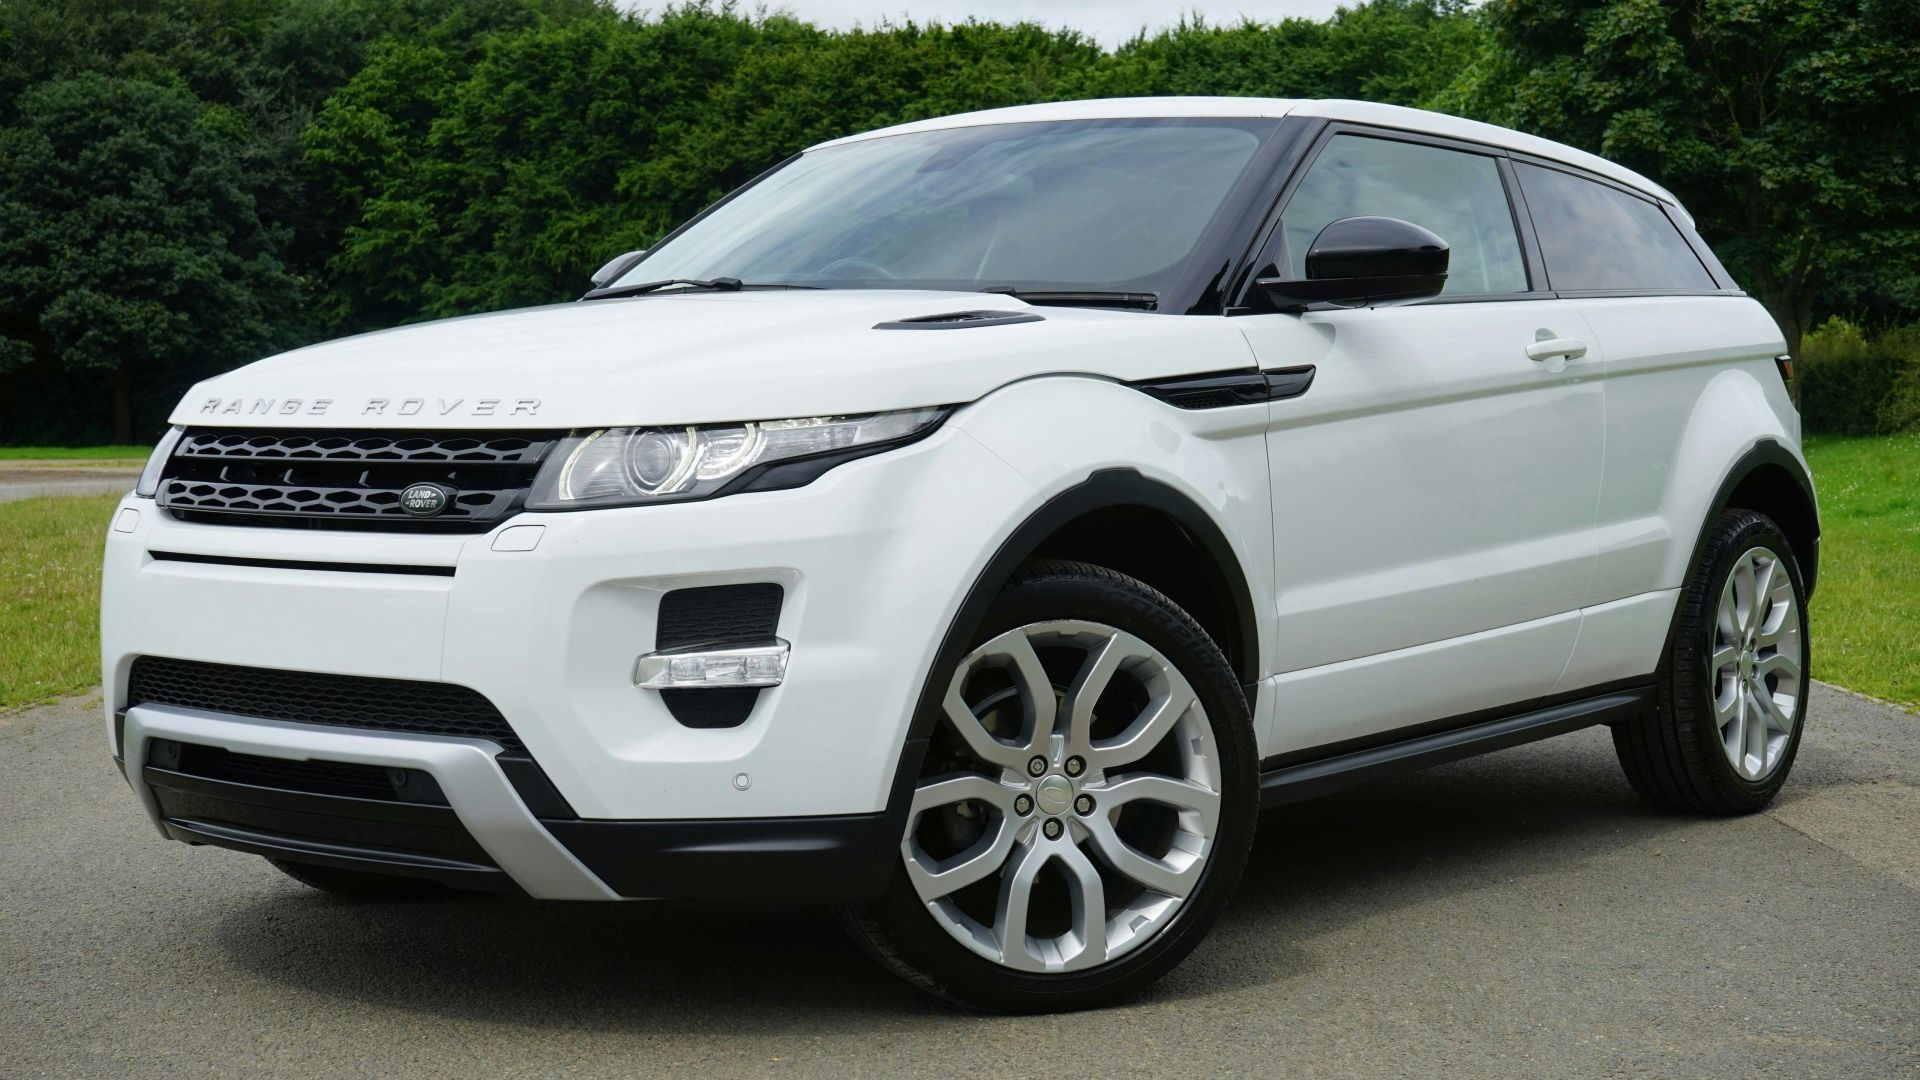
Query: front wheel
(1086, 804)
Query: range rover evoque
(973, 525)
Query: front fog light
(749, 665)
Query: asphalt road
(1521, 914)
(25, 480)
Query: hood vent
(960, 320)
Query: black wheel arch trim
(1764, 453)
(1767, 452)
(1105, 489)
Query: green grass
(135, 454)
(1866, 617)
(1866, 612)
(50, 596)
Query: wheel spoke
(1036, 691)
(1735, 733)
(945, 792)
(1148, 729)
(1036, 703)
(1756, 731)
(1723, 657)
(1165, 790)
(934, 879)
(1095, 675)
(1782, 664)
(1089, 905)
(1770, 707)
(1162, 876)
(1762, 601)
(1016, 899)
(1727, 616)
(1743, 590)
(1726, 707)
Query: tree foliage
(1788, 127)
(128, 235)
(185, 186)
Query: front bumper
(873, 558)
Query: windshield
(1067, 206)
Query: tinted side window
(1596, 237)
(1456, 194)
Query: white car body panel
(657, 359)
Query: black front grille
(349, 480)
(419, 708)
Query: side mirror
(611, 272)
(1365, 261)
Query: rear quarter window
(1598, 238)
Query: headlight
(629, 466)
(149, 481)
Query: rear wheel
(360, 884)
(1085, 807)
(1733, 698)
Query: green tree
(1402, 52)
(1786, 126)
(129, 242)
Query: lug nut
(1023, 805)
(1037, 766)
(1083, 805)
(1075, 766)
(1051, 828)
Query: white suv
(974, 524)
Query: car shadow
(1316, 867)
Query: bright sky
(1110, 22)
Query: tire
(361, 884)
(1718, 741)
(1165, 793)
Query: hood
(695, 358)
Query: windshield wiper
(719, 284)
(1081, 297)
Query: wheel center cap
(1055, 794)
(1746, 665)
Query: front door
(1434, 488)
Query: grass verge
(50, 596)
(135, 454)
(1866, 612)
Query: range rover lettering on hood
(413, 406)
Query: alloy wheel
(1755, 663)
(1070, 799)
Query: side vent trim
(1219, 390)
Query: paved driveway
(1520, 914)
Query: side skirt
(1308, 779)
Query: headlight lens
(627, 466)
(149, 481)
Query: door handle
(1570, 348)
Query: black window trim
(1326, 132)
(1688, 236)
(1322, 132)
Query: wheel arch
(1085, 522)
(1769, 479)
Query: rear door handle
(1570, 348)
